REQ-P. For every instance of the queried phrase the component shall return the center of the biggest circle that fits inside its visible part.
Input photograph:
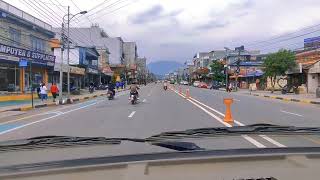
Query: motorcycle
(110, 95)
(133, 98)
(91, 89)
(165, 87)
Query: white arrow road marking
(131, 115)
(144, 100)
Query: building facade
(130, 53)
(26, 59)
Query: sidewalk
(38, 104)
(301, 98)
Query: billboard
(313, 42)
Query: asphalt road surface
(159, 111)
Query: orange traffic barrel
(187, 93)
(228, 115)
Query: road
(159, 111)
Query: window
(38, 44)
(15, 36)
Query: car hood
(25, 156)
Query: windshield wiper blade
(69, 141)
(236, 130)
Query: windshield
(132, 75)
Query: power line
(98, 5)
(80, 10)
(116, 9)
(294, 37)
(109, 6)
(280, 36)
(57, 21)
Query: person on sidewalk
(38, 90)
(54, 91)
(43, 92)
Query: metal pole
(31, 84)
(61, 65)
(68, 45)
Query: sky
(175, 30)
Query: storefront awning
(107, 71)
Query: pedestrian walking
(38, 90)
(54, 91)
(43, 92)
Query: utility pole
(61, 65)
(68, 50)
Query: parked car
(217, 85)
(196, 83)
(184, 83)
(203, 85)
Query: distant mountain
(163, 67)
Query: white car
(184, 83)
(196, 83)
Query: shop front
(92, 76)
(21, 68)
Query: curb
(27, 108)
(304, 101)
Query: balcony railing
(17, 12)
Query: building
(130, 53)
(24, 39)
(142, 70)
(89, 37)
(308, 71)
(83, 65)
(115, 45)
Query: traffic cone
(228, 116)
(187, 93)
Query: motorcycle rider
(134, 89)
(111, 87)
(165, 85)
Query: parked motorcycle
(110, 95)
(91, 89)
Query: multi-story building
(26, 58)
(88, 38)
(141, 69)
(130, 53)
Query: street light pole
(68, 43)
(68, 51)
(61, 65)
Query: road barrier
(228, 116)
(187, 93)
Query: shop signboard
(92, 71)
(23, 63)
(36, 57)
(76, 70)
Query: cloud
(213, 24)
(155, 13)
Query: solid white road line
(41, 120)
(236, 99)
(295, 114)
(253, 141)
(131, 115)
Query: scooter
(110, 95)
(133, 99)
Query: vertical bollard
(228, 115)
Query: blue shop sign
(36, 57)
(23, 63)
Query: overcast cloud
(177, 29)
